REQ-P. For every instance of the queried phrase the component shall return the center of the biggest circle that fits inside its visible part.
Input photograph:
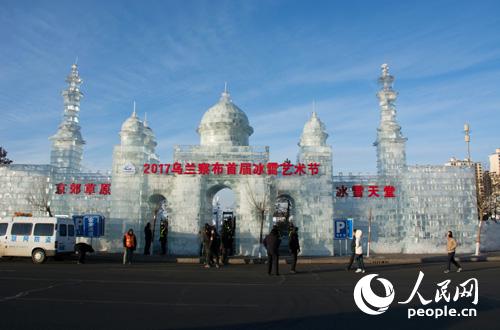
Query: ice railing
(201, 148)
(361, 177)
(28, 167)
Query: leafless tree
(3, 157)
(259, 202)
(491, 199)
(40, 197)
(487, 202)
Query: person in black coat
(272, 244)
(225, 240)
(353, 250)
(81, 250)
(294, 247)
(214, 246)
(148, 238)
(163, 236)
(205, 238)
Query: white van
(36, 237)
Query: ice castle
(408, 208)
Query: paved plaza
(108, 295)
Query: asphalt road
(63, 295)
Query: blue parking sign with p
(343, 228)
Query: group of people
(357, 252)
(214, 247)
(148, 238)
(272, 244)
(273, 240)
(130, 241)
(217, 248)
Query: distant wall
(430, 200)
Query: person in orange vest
(129, 245)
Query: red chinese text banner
(271, 168)
(371, 191)
(83, 188)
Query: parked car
(37, 237)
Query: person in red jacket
(129, 245)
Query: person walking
(81, 250)
(294, 247)
(148, 237)
(230, 246)
(129, 245)
(451, 246)
(163, 237)
(225, 240)
(359, 252)
(205, 237)
(353, 250)
(272, 244)
(201, 251)
(214, 245)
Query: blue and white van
(36, 237)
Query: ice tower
(313, 147)
(390, 143)
(224, 124)
(67, 143)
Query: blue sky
(173, 57)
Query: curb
(301, 260)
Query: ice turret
(314, 132)
(313, 147)
(67, 143)
(390, 143)
(132, 131)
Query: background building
(495, 162)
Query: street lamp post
(478, 199)
(467, 141)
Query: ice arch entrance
(283, 217)
(157, 213)
(221, 209)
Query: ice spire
(390, 143)
(67, 143)
(387, 97)
(225, 96)
(150, 138)
(72, 95)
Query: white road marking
(27, 292)
(80, 301)
(271, 282)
